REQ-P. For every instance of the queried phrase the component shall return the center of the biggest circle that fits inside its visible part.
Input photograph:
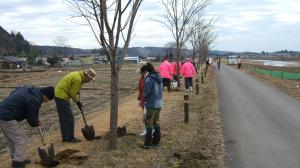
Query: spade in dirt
(46, 152)
(88, 131)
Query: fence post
(197, 86)
(202, 77)
(186, 107)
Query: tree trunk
(113, 111)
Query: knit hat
(48, 91)
(90, 73)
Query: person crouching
(22, 103)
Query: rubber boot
(156, 137)
(148, 139)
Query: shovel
(88, 131)
(46, 152)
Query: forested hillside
(14, 44)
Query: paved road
(261, 123)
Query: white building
(131, 60)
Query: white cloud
(241, 25)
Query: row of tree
(190, 27)
(112, 21)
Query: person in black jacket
(22, 103)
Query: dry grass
(196, 144)
(273, 68)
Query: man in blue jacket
(153, 103)
(22, 103)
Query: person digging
(68, 88)
(22, 103)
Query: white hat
(90, 73)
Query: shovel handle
(82, 115)
(41, 134)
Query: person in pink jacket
(174, 70)
(165, 73)
(188, 72)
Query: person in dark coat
(153, 87)
(219, 63)
(22, 103)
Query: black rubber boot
(148, 139)
(15, 164)
(156, 137)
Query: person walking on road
(219, 63)
(239, 63)
(165, 73)
(67, 88)
(188, 72)
(153, 103)
(22, 103)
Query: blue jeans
(66, 119)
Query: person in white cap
(68, 88)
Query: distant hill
(14, 44)
(68, 51)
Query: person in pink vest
(165, 73)
(188, 72)
(174, 70)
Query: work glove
(79, 104)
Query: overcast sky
(241, 25)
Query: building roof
(65, 59)
(11, 59)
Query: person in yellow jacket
(68, 88)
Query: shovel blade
(88, 132)
(46, 153)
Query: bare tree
(202, 37)
(110, 21)
(206, 43)
(61, 43)
(178, 14)
(170, 48)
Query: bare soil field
(287, 86)
(196, 144)
(94, 96)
